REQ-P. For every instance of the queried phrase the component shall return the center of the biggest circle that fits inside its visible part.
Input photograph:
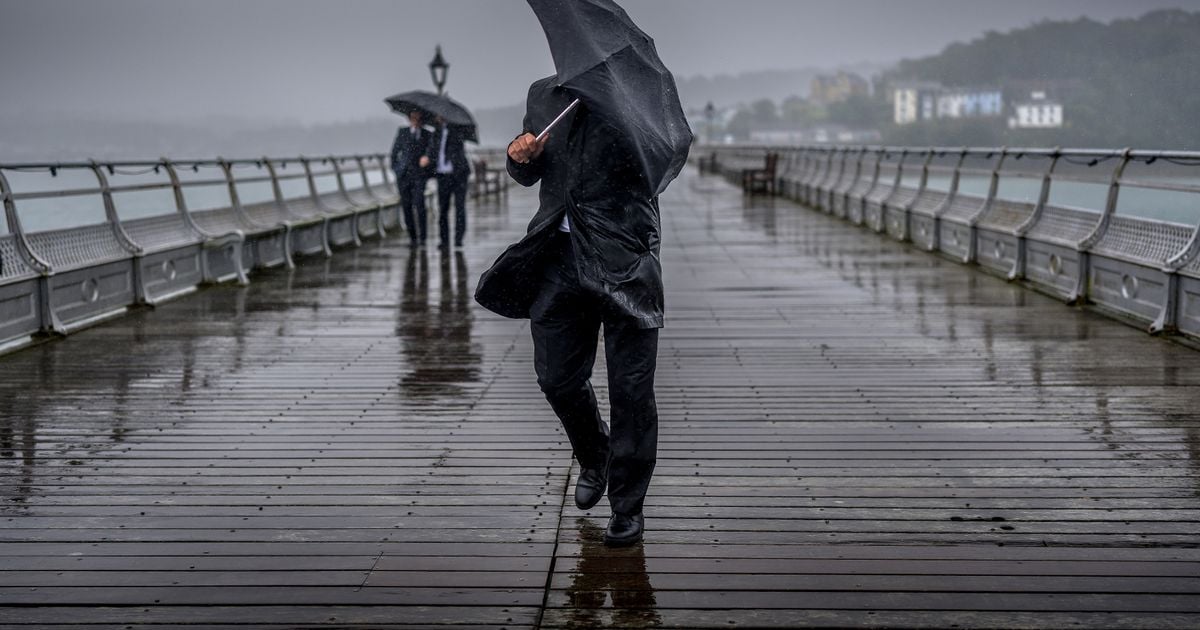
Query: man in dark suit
(589, 259)
(411, 176)
(449, 161)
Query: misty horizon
(313, 61)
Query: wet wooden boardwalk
(854, 433)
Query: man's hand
(526, 148)
(424, 161)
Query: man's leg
(565, 329)
(418, 193)
(632, 356)
(406, 204)
(460, 210)
(445, 186)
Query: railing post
(180, 200)
(28, 256)
(354, 207)
(140, 294)
(326, 236)
(110, 212)
(341, 182)
(276, 189)
(1110, 208)
(235, 253)
(366, 182)
(312, 184)
(234, 199)
(925, 171)
(1019, 264)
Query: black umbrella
(603, 58)
(431, 105)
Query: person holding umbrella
(407, 152)
(441, 152)
(613, 136)
(448, 155)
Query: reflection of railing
(145, 231)
(1118, 228)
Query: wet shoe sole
(622, 542)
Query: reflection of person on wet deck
(600, 574)
(437, 345)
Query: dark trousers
(448, 186)
(412, 200)
(565, 321)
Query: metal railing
(85, 241)
(1119, 229)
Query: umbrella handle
(546, 131)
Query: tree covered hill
(1129, 82)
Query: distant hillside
(1131, 82)
(499, 125)
(727, 90)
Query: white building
(915, 101)
(970, 103)
(1038, 112)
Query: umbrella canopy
(603, 58)
(431, 105)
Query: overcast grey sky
(334, 60)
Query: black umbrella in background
(605, 60)
(431, 105)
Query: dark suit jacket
(455, 151)
(407, 152)
(587, 174)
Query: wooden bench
(763, 179)
(488, 181)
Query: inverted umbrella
(606, 61)
(431, 105)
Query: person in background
(452, 169)
(408, 152)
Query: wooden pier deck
(854, 433)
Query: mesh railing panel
(266, 213)
(12, 266)
(77, 247)
(929, 202)
(304, 207)
(860, 187)
(1063, 226)
(335, 203)
(388, 193)
(1143, 241)
(963, 207)
(162, 232)
(220, 221)
(882, 189)
(360, 197)
(1006, 216)
(902, 197)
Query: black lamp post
(437, 69)
(710, 112)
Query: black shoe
(589, 487)
(624, 529)
(443, 245)
(458, 244)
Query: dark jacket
(456, 152)
(407, 152)
(586, 173)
